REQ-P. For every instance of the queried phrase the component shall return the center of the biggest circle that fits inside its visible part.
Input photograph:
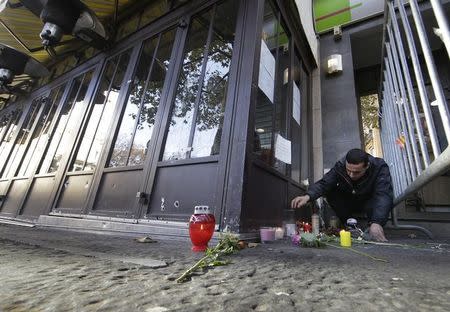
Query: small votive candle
(279, 233)
(346, 239)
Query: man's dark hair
(357, 156)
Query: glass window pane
(69, 119)
(123, 140)
(281, 93)
(40, 134)
(19, 146)
(208, 127)
(137, 122)
(9, 130)
(99, 102)
(271, 114)
(265, 110)
(152, 96)
(101, 114)
(177, 139)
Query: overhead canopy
(20, 28)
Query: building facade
(224, 103)
(209, 104)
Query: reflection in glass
(208, 128)
(70, 116)
(271, 115)
(9, 128)
(19, 146)
(133, 138)
(40, 134)
(177, 140)
(101, 114)
(202, 85)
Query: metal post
(409, 86)
(388, 144)
(401, 171)
(435, 82)
(399, 117)
(391, 49)
(390, 158)
(393, 132)
(442, 22)
(385, 145)
(439, 166)
(419, 78)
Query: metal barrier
(404, 135)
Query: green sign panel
(330, 13)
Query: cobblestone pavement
(53, 270)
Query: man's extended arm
(382, 199)
(321, 187)
(324, 185)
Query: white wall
(306, 18)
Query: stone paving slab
(270, 277)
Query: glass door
(131, 143)
(89, 144)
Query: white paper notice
(296, 104)
(266, 79)
(283, 149)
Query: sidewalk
(54, 270)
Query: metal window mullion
(442, 23)
(28, 139)
(397, 129)
(6, 127)
(141, 104)
(404, 104)
(59, 118)
(435, 81)
(33, 114)
(396, 39)
(392, 85)
(22, 171)
(275, 94)
(201, 82)
(6, 132)
(419, 79)
(103, 108)
(43, 127)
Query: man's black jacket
(374, 188)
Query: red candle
(201, 227)
(307, 227)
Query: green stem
(203, 260)
(358, 252)
(189, 271)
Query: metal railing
(411, 145)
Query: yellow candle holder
(346, 239)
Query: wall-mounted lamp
(334, 64)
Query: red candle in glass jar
(307, 227)
(201, 227)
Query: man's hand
(376, 232)
(299, 201)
